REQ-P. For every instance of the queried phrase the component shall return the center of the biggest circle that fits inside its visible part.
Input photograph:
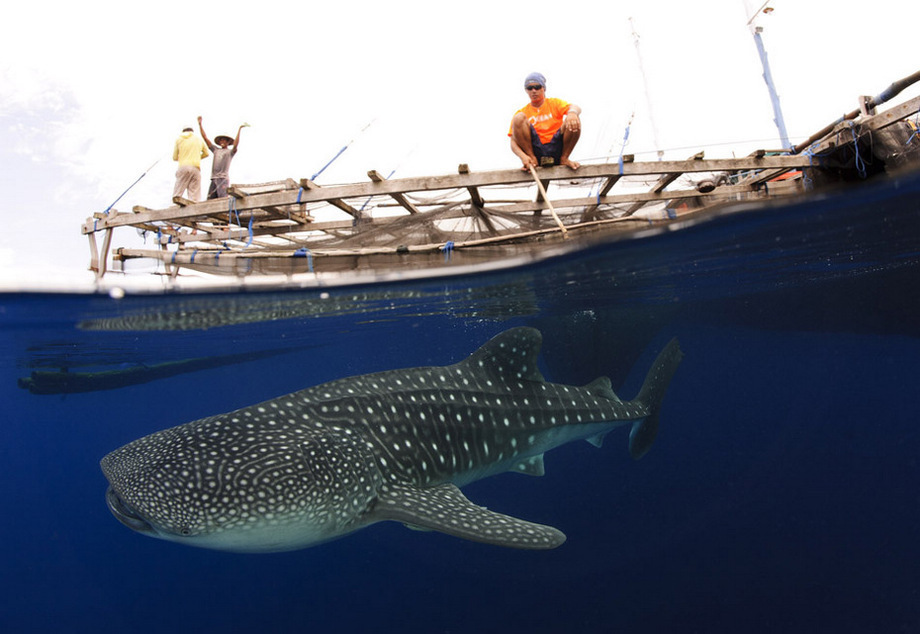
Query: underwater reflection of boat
(66, 381)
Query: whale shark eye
(186, 531)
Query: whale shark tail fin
(643, 432)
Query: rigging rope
(857, 160)
(109, 208)
(340, 152)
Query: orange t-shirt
(547, 119)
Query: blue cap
(535, 78)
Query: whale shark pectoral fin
(533, 466)
(597, 441)
(445, 509)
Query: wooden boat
(394, 226)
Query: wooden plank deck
(334, 193)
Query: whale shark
(397, 445)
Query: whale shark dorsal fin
(601, 387)
(444, 508)
(532, 466)
(510, 355)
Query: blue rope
(250, 229)
(807, 181)
(338, 154)
(857, 161)
(447, 249)
(194, 253)
(304, 252)
(623, 146)
(916, 126)
(109, 208)
(233, 211)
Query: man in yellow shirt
(545, 131)
(188, 151)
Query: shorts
(553, 149)
(218, 188)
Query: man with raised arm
(220, 166)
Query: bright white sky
(93, 93)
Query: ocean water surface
(781, 494)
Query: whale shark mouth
(125, 514)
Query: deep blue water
(781, 495)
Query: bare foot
(573, 164)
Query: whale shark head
(247, 481)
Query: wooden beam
(663, 181)
(307, 184)
(477, 204)
(589, 213)
(376, 177)
(184, 257)
(500, 177)
(94, 255)
(475, 197)
(570, 204)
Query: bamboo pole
(565, 233)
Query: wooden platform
(423, 221)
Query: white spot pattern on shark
(396, 445)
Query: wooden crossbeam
(475, 197)
(663, 181)
(610, 181)
(307, 184)
(477, 204)
(376, 177)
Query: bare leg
(521, 143)
(569, 139)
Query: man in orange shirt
(545, 131)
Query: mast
(756, 31)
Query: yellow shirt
(189, 150)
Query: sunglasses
(535, 87)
